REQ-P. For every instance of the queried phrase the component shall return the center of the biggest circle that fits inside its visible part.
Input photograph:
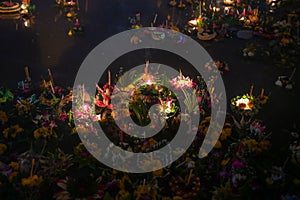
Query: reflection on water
(41, 41)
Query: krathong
(35, 159)
(181, 82)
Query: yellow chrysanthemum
(42, 132)
(12, 176)
(5, 132)
(3, 117)
(225, 162)
(218, 145)
(23, 105)
(32, 181)
(15, 166)
(12, 131)
(3, 148)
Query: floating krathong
(182, 82)
(244, 103)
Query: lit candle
(251, 90)
(44, 83)
(51, 85)
(32, 167)
(27, 74)
(212, 90)
(147, 66)
(50, 75)
(262, 93)
(190, 176)
(155, 18)
(83, 93)
(109, 77)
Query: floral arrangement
(245, 104)
(182, 82)
(42, 156)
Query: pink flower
(237, 164)
(63, 116)
(53, 124)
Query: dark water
(46, 44)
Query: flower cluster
(42, 156)
(181, 81)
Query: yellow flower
(5, 132)
(42, 132)
(218, 145)
(32, 181)
(80, 129)
(12, 176)
(3, 117)
(224, 162)
(15, 166)
(204, 124)
(158, 172)
(13, 131)
(16, 129)
(23, 105)
(3, 148)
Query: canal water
(46, 44)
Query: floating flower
(33, 180)
(42, 133)
(12, 131)
(14, 165)
(3, 148)
(181, 81)
(3, 117)
(255, 146)
(245, 104)
(23, 105)
(237, 164)
(226, 131)
(12, 176)
(257, 129)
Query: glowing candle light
(52, 88)
(109, 79)
(83, 93)
(190, 176)
(50, 75)
(262, 93)
(27, 74)
(155, 17)
(147, 66)
(251, 90)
